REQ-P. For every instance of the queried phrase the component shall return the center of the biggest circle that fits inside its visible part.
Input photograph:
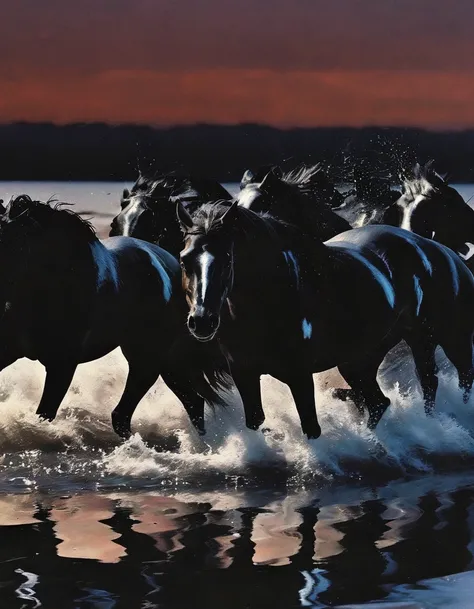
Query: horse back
(143, 282)
(424, 273)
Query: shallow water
(237, 518)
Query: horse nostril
(191, 323)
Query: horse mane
(304, 177)
(207, 220)
(42, 213)
(171, 186)
(424, 180)
(154, 184)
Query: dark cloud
(278, 61)
(89, 36)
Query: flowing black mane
(424, 180)
(174, 186)
(304, 179)
(25, 213)
(207, 220)
(154, 185)
(307, 178)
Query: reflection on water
(237, 549)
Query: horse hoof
(254, 425)
(123, 431)
(314, 434)
(45, 417)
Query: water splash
(81, 446)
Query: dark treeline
(104, 152)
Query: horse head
(207, 264)
(139, 209)
(432, 208)
(148, 210)
(300, 197)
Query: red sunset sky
(281, 62)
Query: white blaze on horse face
(206, 260)
(307, 328)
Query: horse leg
(423, 351)
(143, 372)
(302, 390)
(248, 385)
(58, 378)
(460, 353)
(192, 402)
(366, 391)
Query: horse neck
(60, 262)
(272, 265)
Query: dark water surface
(238, 548)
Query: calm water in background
(97, 200)
(237, 519)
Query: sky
(288, 63)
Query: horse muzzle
(203, 326)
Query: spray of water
(165, 449)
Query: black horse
(295, 197)
(66, 297)
(430, 207)
(285, 305)
(310, 178)
(149, 208)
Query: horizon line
(230, 125)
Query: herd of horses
(210, 291)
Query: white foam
(165, 445)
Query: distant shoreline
(106, 153)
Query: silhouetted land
(104, 152)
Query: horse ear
(126, 193)
(270, 179)
(3, 209)
(184, 218)
(230, 214)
